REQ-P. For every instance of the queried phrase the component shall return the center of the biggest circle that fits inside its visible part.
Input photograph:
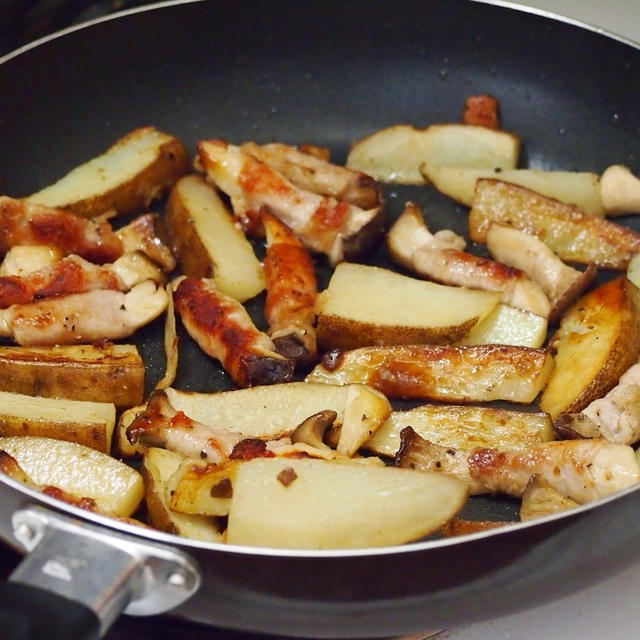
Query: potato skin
(135, 195)
(335, 332)
(106, 373)
(192, 255)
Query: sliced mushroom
(311, 431)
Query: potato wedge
(461, 527)
(360, 411)
(572, 234)
(208, 242)
(200, 488)
(597, 341)
(88, 423)
(311, 504)
(468, 373)
(463, 427)
(104, 372)
(116, 488)
(395, 154)
(137, 169)
(509, 325)
(541, 499)
(157, 468)
(353, 311)
(579, 188)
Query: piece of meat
(160, 425)
(224, 330)
(26, 223)
(141, 234)
(83, 317)
(291, 293)
(582, 470)
(312, 173)
(481, 110)
(69, 275)
(325, 224)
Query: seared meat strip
(69, 275)
(324, 224)
(223, 329)
(291, 292)
(582, 470)
(83, 317)
(312, 173)
(26, 223)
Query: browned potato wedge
(580, 188)
(137, 169)
(353, 313)
(509, 325)
(597, 341)
(116, 488)
(395, 154)
(468, 373)
(463, 427)
(105, 372)
(620, 191)
(541, 499)
(158, 466)
(200, 488)
(88, 423)
(208, 242)
(312, 504)
(572, 234)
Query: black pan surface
(328, 73)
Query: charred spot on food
(250, 448)
(332, 359)
(287, 476)
(262, 369)
(222, 489)
(291, 347)
(362, 242)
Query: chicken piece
(325, 225)
(582, 470)
(160, 425)
(69, 275)
(26, 223)
(412, 245)
(291, 293)
(616, 416)
(311, 173)
(481, 110)
(560, 282)
(142, 235)
(223, 329)
(83, 317)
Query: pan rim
(111, 523)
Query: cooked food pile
(363, 411)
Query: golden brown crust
(575, 236)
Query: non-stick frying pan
(325, 72)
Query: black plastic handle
(30, 613)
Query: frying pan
(323, 72)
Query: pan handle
(75, 571)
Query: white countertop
(609, 609)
